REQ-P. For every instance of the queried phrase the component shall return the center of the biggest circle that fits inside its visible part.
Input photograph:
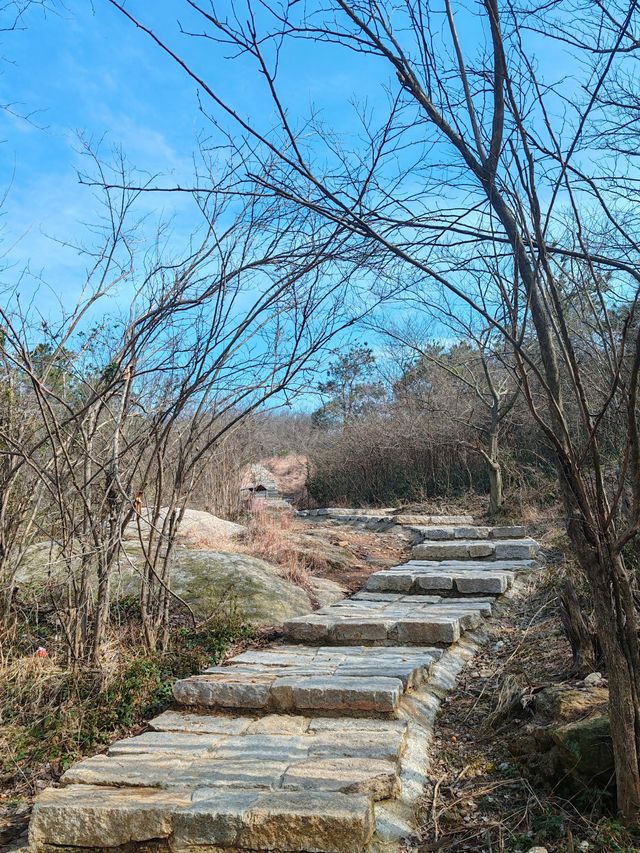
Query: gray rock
(214, 691)
(458, 550)
(182, 744)
(183, 721)
(313, 821)
(338, 695)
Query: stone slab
(451, 532)
(88, 816)
(310, 821)
(464, 549)
(339, 694)
(447, 583)
(183, 721)
(418, 520)
(95, 817)
(470, 565)
(470, 549)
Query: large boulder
(568, 739)
(198, 529)
(208, 580)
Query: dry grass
(290, 472)
(269, 537)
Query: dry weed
(269, 537)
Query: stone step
(418, 520)
(433, 621)
(418, 581)
(460, 531)
(88, 816)
(383, 515)
(410, 665)
(477, 549)
(334, 680)
(293, 694)
(348, 760)
(512, 566)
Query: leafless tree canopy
(111, 415)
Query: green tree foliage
(351, 388)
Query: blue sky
(86, 72)
(83, 69)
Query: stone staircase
(315, 744)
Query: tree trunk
(577, 631)
(617, 632)
(495, 487)
(495, 470)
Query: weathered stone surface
(338, 695)
(440, 630)
(435, 581)
(391, 582)
(451, 532)
(568, 740)
(88, 816)
(310, 821)
(155, 771)
(278, 724)
(415, 579)
(213, 818)
(409, 675)
(329, 724)
(498, 549)
(385, 743)
(425, 520)
(563, 703)
(513, 531)
(481, 582)
(377, 778)
(261, 747)
(226, 772)
(183, 744)
(224, 691)
(586, 750)
(183, 721)
(377, 621)
(469, 565)
(309, 629)
(261, 592)
(514, 549)
(460, 550)
(374, 630)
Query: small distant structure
(259, 484)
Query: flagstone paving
(316, 743)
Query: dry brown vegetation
(482, 797)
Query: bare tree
(128, 408)
(470, 161)
(480, 366)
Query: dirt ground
(351, 554)
(480, 800)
